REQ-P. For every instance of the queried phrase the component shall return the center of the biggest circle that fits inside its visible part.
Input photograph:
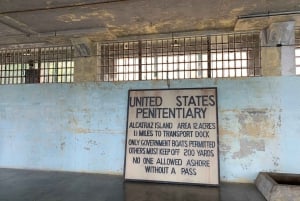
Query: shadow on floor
(29, 185)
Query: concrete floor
(27, 185)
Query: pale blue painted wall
(81, 127)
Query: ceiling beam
(17, 25)
(63, 36)
(269, 14)
(61, 7)
(73, 32)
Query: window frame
(110, 52)
(53, 64)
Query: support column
(85, 60)
(278, 50)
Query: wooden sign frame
(172, 136)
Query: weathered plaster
(126, 18)
(259, 122)
(100, 15)
(271, 61)
(248, 148)
(81, 127)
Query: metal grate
(227, 55)
(297, 51)
(37, 65)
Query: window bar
(240, 49)
(186, 73)
(155, 60)
(174, 54)
(69, 68)
(197, 58)
(8, 70)
(110, 63)
(47, 65)
(248, 58)
(5, 67)
(115, 74)
(58, 67)
(152, 59)
(225, 50)
(113, 52)
(69, 65)
(162, 59)
(1, 67)
(54, 66)
(228, 59)
(11, 68)
(39, 62)
(8, 73)
(168, 62)
(208, 57)
(234, 54)
(64, 65)
(22, 68)
(151, 65)
(17, 67)
(42, 71)
(140, 59)
(117, 49)
(51, 68)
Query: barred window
(227, 55)
(297, 52)
(37, 65)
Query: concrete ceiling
(58, 21)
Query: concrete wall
(81, 127)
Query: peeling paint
(62, 145)
(224, 131)
(82, 130)
(228, 124)
(48, 3)
(276, 161)
(101, 15)
(258, 122)
(224, 150)
(238, 11)
(140, 26)
(93, 142)
(249, 147)
(71, 18)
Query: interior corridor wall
(81, 127)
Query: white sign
(172, 136)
